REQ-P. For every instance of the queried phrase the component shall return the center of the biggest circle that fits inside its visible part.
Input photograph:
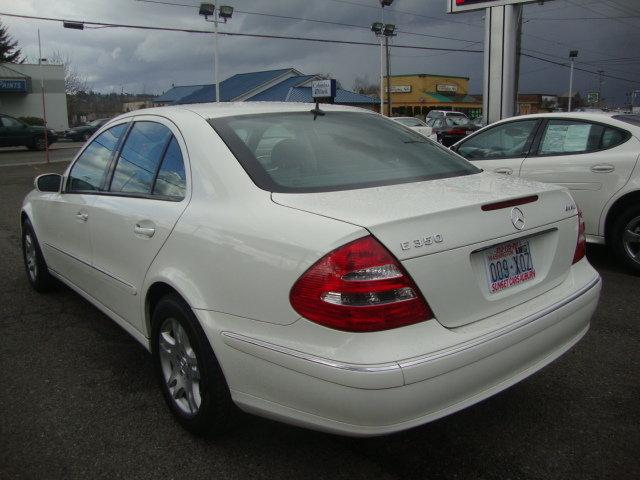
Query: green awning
(438, 97)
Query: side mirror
(49, 182)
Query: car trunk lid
(446, 241)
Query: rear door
(146, 195)
(501, 148)
(593, 160)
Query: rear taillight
(457, 131)
(359, 287)
(581, 246)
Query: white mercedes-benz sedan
(324, 267)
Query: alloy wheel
(179, 367)
(30, 257)
(631, 239)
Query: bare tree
(364, 86)
(74, 81)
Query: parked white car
(417, 125)
(594, 155)
(329, 269)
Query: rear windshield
(293, 152)
(411, 122)
(454, 121)
(632, 119)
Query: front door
(133, 219)
(12, 132)
(66, 216)
(501, 148)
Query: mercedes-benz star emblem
(517, 218)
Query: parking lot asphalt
(78, 400)
(58, 152)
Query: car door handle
(503, 170)
(603, 168)
(144, 231)
(83, 217)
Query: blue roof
(303, 94)
(177, 93)
(286, 90)
(233, 87)
(279, 92)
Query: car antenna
(316, 111)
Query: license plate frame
(508, 264)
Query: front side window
(570, 136)
(90, 170)
(140, 157)
(506, 140)
(333, 151)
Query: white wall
(30, 104)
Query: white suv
(595, 155)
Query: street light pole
(386, 46)
(572, 55)
(223, 12)
(44, 107)
(215, 51)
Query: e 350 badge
(422, 242)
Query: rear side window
(507, 140)
(140, 157)
(333, 151)
(171, 179)
(612, 137)
(90, 170)
(568, 136)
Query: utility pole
(386, 46)
(572, 55)
(44, 107)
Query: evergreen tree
(9, 51)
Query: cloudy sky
(606, 33)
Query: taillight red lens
(359, 287)
(581, 246)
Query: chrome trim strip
(352, 367)
(487, 337)
(132, 289)
(525, 237)
(386, 367)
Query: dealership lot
(79, 399)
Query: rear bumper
(379, 398)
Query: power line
(314, 20)
(237, 34)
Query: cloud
(137, 60)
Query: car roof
(228, 109)
(602, 117)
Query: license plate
(508, 264)
(469, 132)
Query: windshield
(410, 122)
(293, 152)
(629, 118)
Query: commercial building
(536, 103)
(415, 95)
(21, 93)
(283, 85)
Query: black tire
(216, 408)
(38, 144)
(627, 251)
(35, 266)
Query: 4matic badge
(422, 242)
